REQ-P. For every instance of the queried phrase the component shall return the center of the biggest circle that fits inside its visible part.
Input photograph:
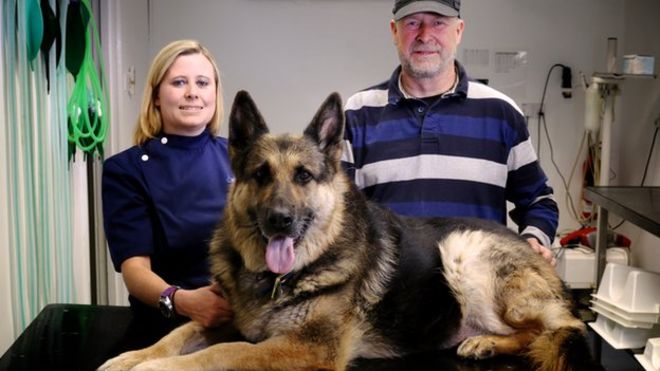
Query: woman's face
(186, 95)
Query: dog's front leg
(276, 353)
(169, 345)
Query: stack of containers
(628, 306)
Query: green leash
(88, 115)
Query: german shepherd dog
(318, 276)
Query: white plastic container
(620, 337)
(652, 318)
(623, 318)
(650, 360)
(576, 265)
(631, 289)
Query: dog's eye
(262, 174)
(302, 176)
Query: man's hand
(542, 250)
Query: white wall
(640, 100)
(290, 54)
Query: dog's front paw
(123, 362)
(477, 347)
(160, 364)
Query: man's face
(426, 43)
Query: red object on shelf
(580, 236)
(585, 236)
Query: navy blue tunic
(163, 200)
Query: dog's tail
(564, 349)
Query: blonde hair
(149, 122)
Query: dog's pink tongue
(279, 254)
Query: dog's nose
(280, 219)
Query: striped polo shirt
(463, 154)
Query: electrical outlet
(531, 109)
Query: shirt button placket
(421, 115)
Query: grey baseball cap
(403, 8)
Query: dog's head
(286, 203)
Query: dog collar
(280, 280)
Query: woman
(163, 197)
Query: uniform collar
(184, 142)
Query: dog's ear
(327, 126)
(245, 122)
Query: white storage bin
(623, 318)
(620, 337)
(650, 360)
(631, 289)
(576, 266)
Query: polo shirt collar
(396, 94)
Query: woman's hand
(204, 305)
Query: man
(429, 142)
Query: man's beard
(427, 69)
